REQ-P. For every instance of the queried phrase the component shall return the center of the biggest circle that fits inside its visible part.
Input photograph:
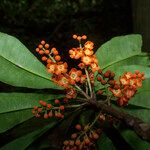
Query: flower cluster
(84, 138)
(129, 83)
(48, 110)
(86, 54)
(79, 85)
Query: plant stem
(86, 86)
(88, 80)
(82, 91)
(141, 128)
(71, 106)
(80, 45)
(84, 132)
(52, 58)
(94, 120)
(75, 106)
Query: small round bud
(78, 127)
(74, 36)
(99, 92)
(57, 58)
(84, 37)
(49, 106)
(56, 101)
(46, 116)
(74, 135)
(61, 107)
(40, 46)
(43, 42)
(46, 46)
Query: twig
(141, 128)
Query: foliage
(20, 68)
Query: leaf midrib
(114, 62)
(26, 69)
(10, 111)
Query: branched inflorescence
(79, 86)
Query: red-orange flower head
(89, 45)
(76, 53)
(71, 93)
(75, 74)
(61, 68)
(51, 67)
(61, 80)
(129, 83)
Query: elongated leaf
(9, 120)
(141, 113)
(16, 107)
(141, 99)
(119, 49)
(86, 117)
(135, 141)
(21, 68)
(23, 142)
(20, 101)
(142, 59)
(104, 143)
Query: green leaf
(135, 141)
(86, 117)
(23, 142)
(9, 120)
(141, 59)
(104, 143)
(16, 107)
(119, 49)
(141, 99)
(19, 67)
(143, 114)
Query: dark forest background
(56, 20)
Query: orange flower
(75, 74)
(81, 65)
(124, 81)
(86, 60)
(128, 93)
(71, 93)
(132, 82)
(128, 75)
(51, 68)
(82, 78)
(89, 45)
(139, 82)
(61, 80)
(76, 53)
(122, 101)
(116, 93)
(61, 68)
(88, 52)
(94, 67)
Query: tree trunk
(141, 21)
